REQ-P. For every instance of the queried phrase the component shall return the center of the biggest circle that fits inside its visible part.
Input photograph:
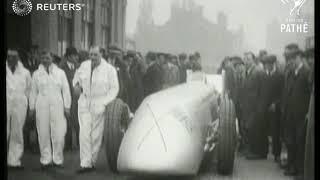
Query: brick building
(100, 22)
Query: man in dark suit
(69, 65)
(153, 78)
(298, 89)
(271, 101)
(137, 69)
(310, 148)
(235, 74)
(29, 130)
(33, 59)
(121, 63)
(288, 72)
(183, 67)
(251, 109)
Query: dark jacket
(183, 73)
(32, 63)
(137, 71)
(69, 73)
(309, 153)
(272, 88)
(252, 91)
(124, 81)
(298, 97)
(153, 79)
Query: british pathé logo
(295, 23)
(296, 5)
(21, 7)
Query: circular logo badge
(22, 7)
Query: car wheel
(227, 136)
(117, 118)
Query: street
(243, 170)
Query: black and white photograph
(159, 89)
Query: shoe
(284, 166)
(83, 170)
(252, 156)
(291, 171)
(59, 166)
(298, 177)
(15, 167)
(277, 159)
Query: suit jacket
(272, 88)
(32, 63)
(137, 71)
(153, 79)
(298, 97)
(69, 73)
(252, 88)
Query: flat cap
(114, 49)
(236, 60)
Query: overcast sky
(254, 15)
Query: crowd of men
(58, 103)
(63, 100)
(273, 100)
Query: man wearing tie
(271, 96)
(69, 65)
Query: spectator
(153, 78)
(252, 138)
(297, 108)
(183, 67)
(171, 73)
(271, 101)
(137, 71)
(69, 65)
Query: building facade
(99, 22)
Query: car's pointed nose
(156, 144)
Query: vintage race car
(174, 131)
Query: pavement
(243, 170)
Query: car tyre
(117, 118)
(227, 136)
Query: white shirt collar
(298, 69)
(70, 65)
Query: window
(65, 29)
(87, 24)
(105, 14)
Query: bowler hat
(270, 59)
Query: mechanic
(18, 84)
(97, 82)
(50, 101)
